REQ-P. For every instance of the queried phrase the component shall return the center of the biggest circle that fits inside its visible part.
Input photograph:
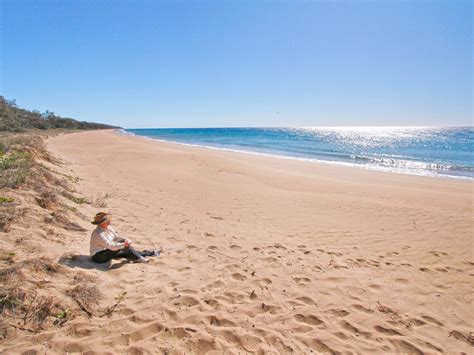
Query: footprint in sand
(306, 300)
(262, 282)
(386, 331)
(220, 322)
(432, 320)
(145, 332)
(405, 347)
(338, 312)
(232, 267)
(303, 329)
(319, 346)
(213, 285)
(416, 322)
(136, 335)
(308, 319)
(187, 301)
(301, 280)
(238, 276)
(402, 281)
(211, 302)
(362, 308)
(438, 253)
(270, 308)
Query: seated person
(106, 244)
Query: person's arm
(117, 237)
(107, 243)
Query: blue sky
(241, 63)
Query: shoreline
(414, 172)
(317, 167)
(266, 255)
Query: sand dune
(266, 255)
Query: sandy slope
(270, 255)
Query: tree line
(16, 119)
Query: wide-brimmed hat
(100, 218)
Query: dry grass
(82, 277)
(42, 264)
(25, 306)
(7, 257)
(21, 165)
(47, 198)
(86, 295)
(60, 218)
(16, 271)
(7, 215)
(25, 310)
(101, 201)
(21, 304)
(10, 274)
(11, 297)
(20, 162)
(8, 212)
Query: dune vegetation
(38, 198)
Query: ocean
(429, 151)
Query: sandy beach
(265, 255)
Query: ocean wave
(411, 164)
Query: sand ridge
(265, 255)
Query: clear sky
(241, 63)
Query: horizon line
(306, 127)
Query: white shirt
(107, 238)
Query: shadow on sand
(85, 262)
